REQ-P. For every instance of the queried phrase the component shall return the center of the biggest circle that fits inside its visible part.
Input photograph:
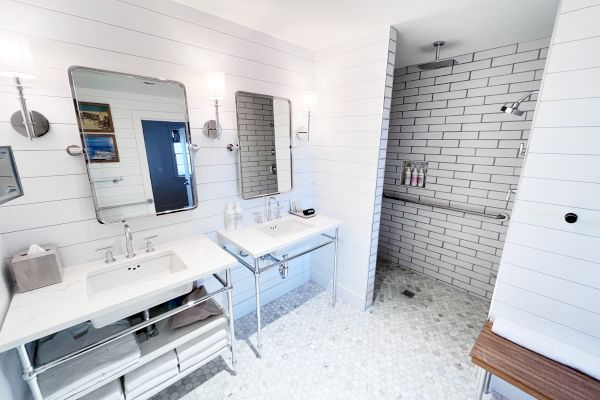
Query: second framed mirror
(265, 139)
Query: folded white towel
(198, 357)
(110, 391)
(85, 370)
(548, 347)
(201, 343)
(159, 369)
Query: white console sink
(132, 273)
(284, 228)
(279, 235)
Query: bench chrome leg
(28, 374)
(483, 378)
(486, 382)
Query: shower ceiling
(466, 25)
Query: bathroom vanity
(261, 247)
(107, 292)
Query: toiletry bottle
(239, 216)
(421, 178)
(414, 177)
(407, 175)
(229, 217)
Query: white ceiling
(466, 25)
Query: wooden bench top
(541, 377)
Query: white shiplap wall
(350, 81)
(151, 38)
(549, 277)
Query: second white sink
(284, 228)
(133, 273)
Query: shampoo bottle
(239, 216)
(414, 177)
(421, 178)
(407, 175)
(229, 217)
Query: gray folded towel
(198, 313)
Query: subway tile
(452, 78)
(496, 52)
(471, 66)
(516, 58)
(485, 73)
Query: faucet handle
(108, 253)
(149, 246)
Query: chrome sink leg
(258, 321)
(231, 323)
(28, 374)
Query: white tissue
(35, 249)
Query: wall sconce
(16, 62)
(309, 101)
(214, 85)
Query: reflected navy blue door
(169, 183)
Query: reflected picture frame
(95, 117)
(101, 148)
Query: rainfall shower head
(437, 63)
(514, 107)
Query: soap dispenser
(239, 216)
(230, 217)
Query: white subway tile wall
(549, 278)
(350, 120)
(450, 117)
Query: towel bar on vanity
(499, 216)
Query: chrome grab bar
(500, 216)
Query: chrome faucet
(273, 214)
(129, 241)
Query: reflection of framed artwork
(101, 148)
(95, 117)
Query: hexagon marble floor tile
(403, 349)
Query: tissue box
(36, 270)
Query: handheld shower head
(514, 107)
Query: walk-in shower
(437, 63)
(514, 107)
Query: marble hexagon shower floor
(403, 349)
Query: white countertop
(257, 244)
(35, 314)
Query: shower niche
(414, 173)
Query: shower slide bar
(499, 216)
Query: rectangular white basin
(134, 273)
(284, 228)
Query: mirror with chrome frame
(265, 144)
(136, 142)
(10, 183)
